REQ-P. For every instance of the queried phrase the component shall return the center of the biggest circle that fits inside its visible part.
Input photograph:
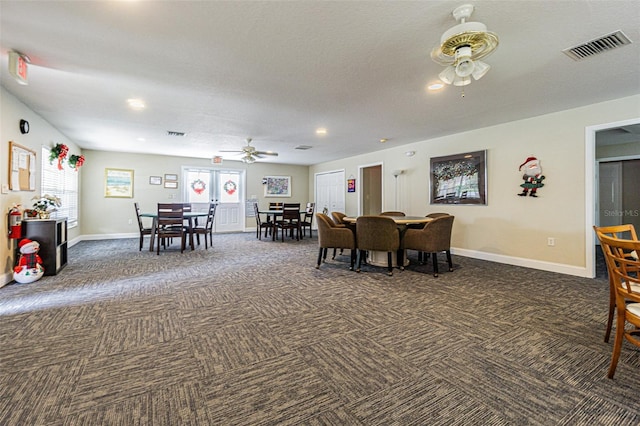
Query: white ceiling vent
(597, 46)
(172, 133)
(303, 147)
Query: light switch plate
(5, 188)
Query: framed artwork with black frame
(459, 179)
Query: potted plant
(45, 205)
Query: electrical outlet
(551, 241)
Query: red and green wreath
(76, 161)
(198, 186)
(230, 187)
(59, 152)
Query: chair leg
(612, 308)
(390, 263)
(322, 250)
(324, 254)
(353, 259)
(360, 254)
(449, 260)
(141, 241)
(400, 259)
(334, 253)
(435, 265)
(617, 344)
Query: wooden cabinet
(52, 236)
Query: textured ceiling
(275, 71)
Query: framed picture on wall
(277, 186)
(118, 183)
(459, 179)
(155, 180)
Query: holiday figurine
(29, 268)
(532, 177)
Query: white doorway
(591, 190)
(226, 187)
(330, 192)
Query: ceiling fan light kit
(250, 154)
(461, 47)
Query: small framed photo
(277, 186)
(168, 177)
(170, 184)
(118, 183)
(155, 180)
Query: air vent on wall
(172, 133)
(597, 46)
(303, 147)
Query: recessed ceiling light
(141, 139)
(136, 104)
(321, 131)
(383, 140)
(435, 86)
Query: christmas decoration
(59, 152)
(76, 161)
(532, 177)
(29, 267)
(198, 186)
(230, 187)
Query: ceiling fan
(250, 154)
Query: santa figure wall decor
(532, 176)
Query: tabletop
(400, 220)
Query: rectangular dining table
(379, 258)
(188, 216)
(274, 214)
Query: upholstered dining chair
(143, 230)
(617, 231)
(171, 224)
(290, 220)
(206, 230)
(307, 219)
(337, 218)
(434, 237)
(332, 236)
(626, 281)
(392, 213)
(260, 225)
(378, 233)
(437, 214)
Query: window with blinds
(64, 185)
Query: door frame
(315, 189)
(590, 190)
(360, 184)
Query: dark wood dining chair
(260, 225)
(307, 219)
(627, 231)
(290, 220)
(206, 230)
(626, 278)
(433, 238)
(378, 233)
(335, 237)
(171, 224)
(143, 230)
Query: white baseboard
(527, 263)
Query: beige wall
(41, 133)
(109, 217)
(510, 228)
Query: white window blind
(64, 185)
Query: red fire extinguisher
(15, 223)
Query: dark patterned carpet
(250, 333)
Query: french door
(226, 187)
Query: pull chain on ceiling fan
(461, 47)
(250, 154)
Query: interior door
(610, 193)
(370, 190)
(330, 192)
(229, 190)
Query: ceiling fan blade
(267, 153)
(229, 150)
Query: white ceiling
(275, 71)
